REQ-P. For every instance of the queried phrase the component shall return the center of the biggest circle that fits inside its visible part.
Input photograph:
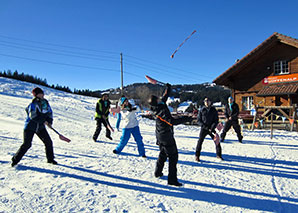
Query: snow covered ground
(260, 175)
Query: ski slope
(260, 175)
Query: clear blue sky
(77, 43)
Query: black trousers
(170, 152)
(203, 134)
(228, 126)
(28, 136)
(98, 128)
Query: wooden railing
(269, 115)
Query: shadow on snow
(264, 204)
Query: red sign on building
(280, 79)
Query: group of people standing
(39, 114)
(209, 122)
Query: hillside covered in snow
(259, 175)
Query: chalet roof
(275, 37)
(279, 89)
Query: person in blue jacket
(39, 114)
(130, 126)
(117, 126)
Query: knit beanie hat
(37, 91)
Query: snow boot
(13, 163)
(175, 183)
(219, 158)
(52, 162)
(158, 175)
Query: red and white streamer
(172, 56)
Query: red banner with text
(280, 78)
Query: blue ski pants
(126, 132)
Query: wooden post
(292, 124)
(254, 120)
(271, 125)
(121, 67)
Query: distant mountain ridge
(187, 92)
(139, 91)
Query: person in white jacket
(130, 126)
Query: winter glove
(132, 109)
(48, 124)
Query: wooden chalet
(266, 77)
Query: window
(281, 67)
(247, 103)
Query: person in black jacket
(231, 114)
(208, 120)
(165, 136)
(102, 116)
(39, 114)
